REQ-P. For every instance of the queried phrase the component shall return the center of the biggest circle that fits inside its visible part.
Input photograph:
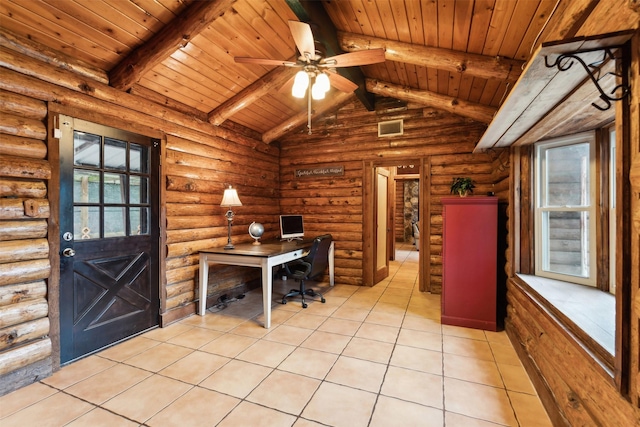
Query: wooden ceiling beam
(487, 67)
(172, 37)
(313, 13)
(293, 122)
(247, 96)
(36, 50)
(481, 113)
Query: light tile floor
(374, 357)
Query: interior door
(109, 236)
(382, 226)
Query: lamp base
(229, 246)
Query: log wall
(349, 138)
(197, 171)
(25, 345)
(576, 387)
(198, 161)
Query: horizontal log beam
(20, 229)
(12, 145)
(300, 118)
(23, 332)
(179, 288)
(165, 101)
(180, 300)
(22, 126)
(172, 37)
(50, 56)
(19, 188)
(12, 294)
(30, 77)
(247, 96)
(481, 113)
(486, 67)
(23, 312)
(23, 250)
(25, 355)
(23, 106)
(19, 167)
(24, 271)
(24, 208)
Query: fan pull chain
(309, 109)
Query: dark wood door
(108, 236)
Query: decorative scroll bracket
(564, 61)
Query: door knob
(68, 252)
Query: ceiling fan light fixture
(300, 84)
(298, 91)
(317, 91)
(322, 80)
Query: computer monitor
(291, 227)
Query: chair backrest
(318, 255)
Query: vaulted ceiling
(458, 55)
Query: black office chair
(312, 265)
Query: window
(565, 216)
(572, 251)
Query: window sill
(587, 312)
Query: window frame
(541, 207)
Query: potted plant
(462, 186)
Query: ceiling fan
(317, 69)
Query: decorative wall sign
(320, 171)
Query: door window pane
(86, 186)
(113, 176)
(138, 190)
(115, 154)
(139, 158)
(114, 188)
(86, 222)
(86, 149)
(114, 221)
(139, 221)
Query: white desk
(266, 256)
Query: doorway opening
(402, 170)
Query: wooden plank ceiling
(459, 55)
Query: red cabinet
(469, 257)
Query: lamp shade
(323, 81)
(230, 198)
(300, 84)
(316, 91)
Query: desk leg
(331, 264)
(267, 286)
(203, 281)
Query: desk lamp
(230, 199)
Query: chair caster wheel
(304, 305)
(323, 300)
(284, 301)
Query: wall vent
(390, 128)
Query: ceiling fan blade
(263, 61)
(341, 83)
(351, 59)
(303, 37)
